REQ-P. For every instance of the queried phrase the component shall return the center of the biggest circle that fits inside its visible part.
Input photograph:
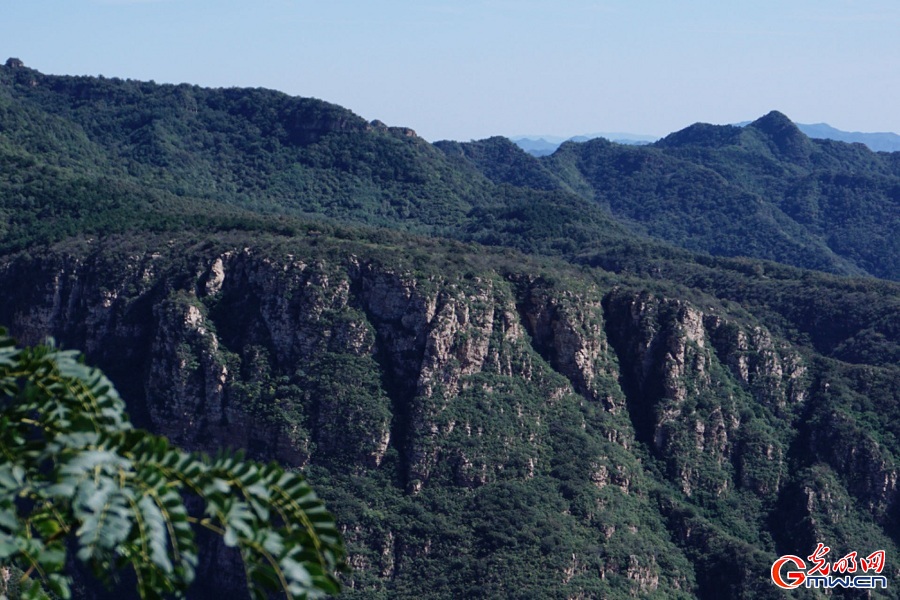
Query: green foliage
(765, 191)
(548, 469)
(74, 469)
(91, 155)
(554, 463)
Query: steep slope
(619, 419)
(500, 426)
(676, 199)
(254, 149)
(69, 145)
(92, 155)
(841, 195)
(764, 190)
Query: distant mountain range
(545, 145)
(879, 142)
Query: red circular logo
(794, 578)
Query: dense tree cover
(520, 479)
(501, 161)
(548, 479)
(75, 475)
(254, 149)
(764, 190)
(92, 154)
(851, 319)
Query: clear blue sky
(467, 69)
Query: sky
(470, 69)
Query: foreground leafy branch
(73, 468)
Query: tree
(75, 475)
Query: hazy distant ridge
(878, 142)
(545, 145)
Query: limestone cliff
(472, 412)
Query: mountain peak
(784, 135)
(775, 123)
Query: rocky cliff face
(705, 392)
(484, 413)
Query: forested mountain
(877, 142)
(500, 372)
(764, 190)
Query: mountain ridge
(494, 368)
(482, 394)
(544, 145)
(262, 151)
(764, 190)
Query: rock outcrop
(424, 390)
